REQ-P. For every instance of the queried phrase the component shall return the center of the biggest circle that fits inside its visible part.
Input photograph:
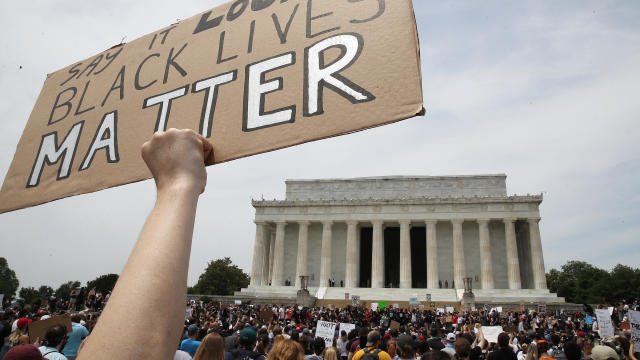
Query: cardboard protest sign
(251, 75)
(347, 327)
(634, 324)
(355, 300)
(266, 314)
(491, 333)
(38, 329)
(605, 325)
(326, 330)
(394, 325)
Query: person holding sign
(157, 266)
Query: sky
(543, 91)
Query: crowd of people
(244, 332)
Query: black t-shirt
(502, 354)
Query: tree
(103, 283)
(8, 281)
(30, 295)
(580, 282)
(65, 289)
(45, 291)
(221, 277)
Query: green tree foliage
(580, 282)
(103, 283)
(65, 289)
(8, 281)
(30, 295)
(220, 277)
(45, 291)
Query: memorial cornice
(406, 201)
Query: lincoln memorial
(400, 236)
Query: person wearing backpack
(372, 351)
(246, 343)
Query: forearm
(147, 304)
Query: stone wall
(397, 187)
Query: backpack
(371, 354)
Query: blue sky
(544, 91)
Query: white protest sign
(634, 324)
(347, 327)
(440, 310)
(610, 308)
(187, 313)
(450, 309)
(604, 323)
(499, 309)
(374, 306)
(326, 331)
(396, 306)
(491, 333)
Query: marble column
(266, 263)
(272, 246)
(537, 261)
(486, 266)
(351, 271)
(325, 256)
(513, 265)
(432, 255)
(405, 254)
(278, 256)
(258, 256)
(303, 239)
(377, 256)
(459, 271)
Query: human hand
(177, 160)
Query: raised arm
(144, 316)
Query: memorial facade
(395, 237)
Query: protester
(191, 344)
(330, 353)
(462, 349)
(23, 352)
(405, 348)
(317, 347)
(372, 351)
(55, 339)
(78, 333)
(211, 348)
(342, 345)
(448, 346)
(286, 350)
(504, 351)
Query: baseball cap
(602, 352)
(451, 337)
(23, 352)
(192, 327)
(248, 335)
(22, 323)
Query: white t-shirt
(181, 355)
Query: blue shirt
(190, 346)
(78, 333)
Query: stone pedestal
(303, 298)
